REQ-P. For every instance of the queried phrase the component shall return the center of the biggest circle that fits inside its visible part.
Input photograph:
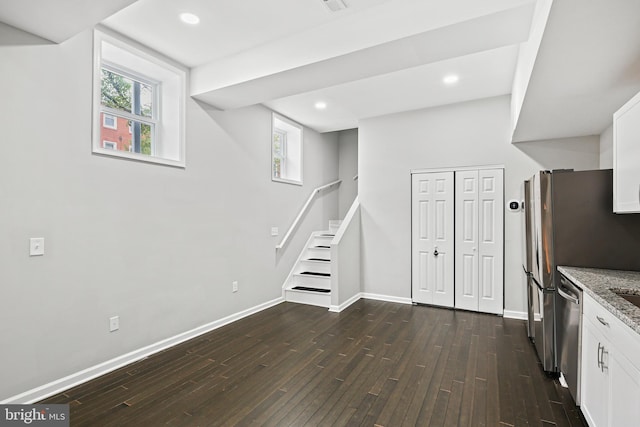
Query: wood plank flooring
(375, 364)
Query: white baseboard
(509, 314)
(365, 295)
(62, 384)
(347, 303)
(387, 298)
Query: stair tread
(310, 289)
(321, 247)
(318, 259)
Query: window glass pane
(277, 167)
(128, 135)
(145, 138)
(286, 149)
(125, 94)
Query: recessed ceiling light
(189, 18)
(320, 105)
(451, 79)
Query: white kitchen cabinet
(595, 379)
(626, 157)
(610, 369)
(624, 377)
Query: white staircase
(310, 279)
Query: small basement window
(139, 103)
(286, 150)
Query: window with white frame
(139, 102)
(109, 121)
(286, 150)
(110, 145)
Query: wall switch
(114, 323)
(274, 231)
(234, 286)
(36, 246)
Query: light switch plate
(114, 323)
(36, 246)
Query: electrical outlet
(114, 323)
(36, 246)
(274, 231)
(234, 286)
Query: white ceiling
(289, 54)
(378, 56)
(60, 19)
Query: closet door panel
(466, 230)
(491, 241)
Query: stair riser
(318, 267)
(312, 282)
(318, 253)
(321, 241)
(311, 298)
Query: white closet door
(432, 266)
(491, 241)
(466, 231)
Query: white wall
(467, 134)
(347, 169)
(158, 246)
(527, 58)
(345, 260)
(606, 148)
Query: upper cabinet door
(626, 157)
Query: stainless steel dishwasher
(568, 333)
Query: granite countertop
(599, 284)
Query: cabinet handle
(604, 366)
(601, 320)
(600, 347)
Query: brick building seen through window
(115, 133)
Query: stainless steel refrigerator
(569, 220)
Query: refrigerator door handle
(538, 284)
(537, 254)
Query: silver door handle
(601, 320)
(568, 297)
(599, 357)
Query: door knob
(436, 251)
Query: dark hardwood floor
(375, 364)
